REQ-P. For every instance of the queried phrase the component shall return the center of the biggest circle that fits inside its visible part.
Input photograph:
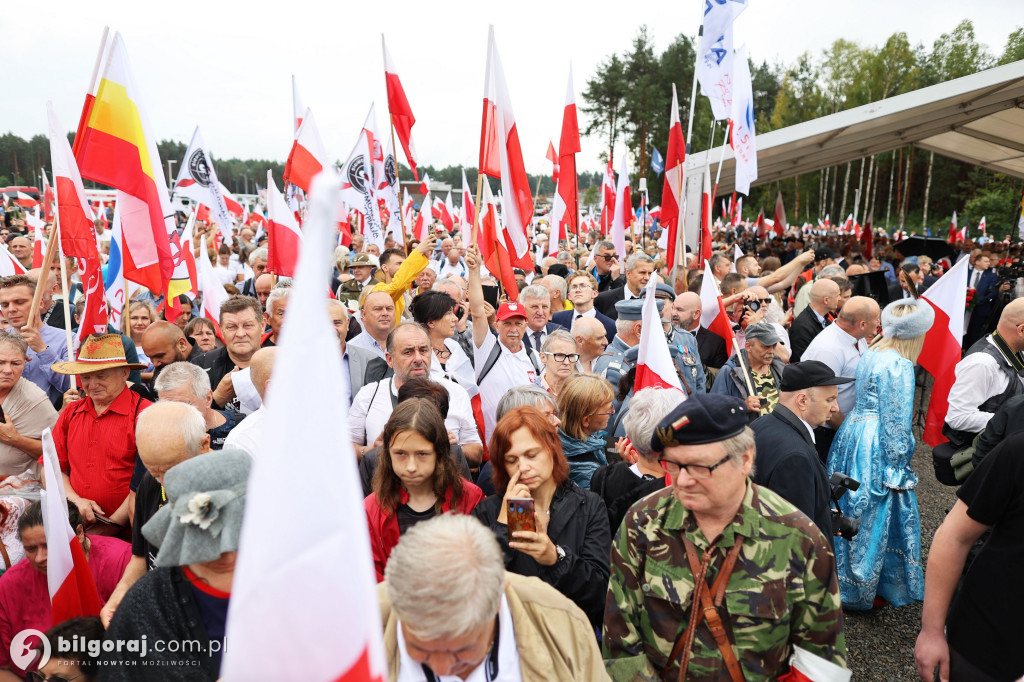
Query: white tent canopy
(978, 119)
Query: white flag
(715, 55)
(197, 180)
(359, 184)
(743, 143)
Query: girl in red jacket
(416, 478)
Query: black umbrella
(932, 247)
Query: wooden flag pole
(476, 209)
(52, 248)
(36, 320)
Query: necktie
(536, 341)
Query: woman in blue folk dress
(874, 445)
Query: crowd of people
(535, 511)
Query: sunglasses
(608, 256)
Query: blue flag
(657, 161)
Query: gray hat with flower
(203, 515)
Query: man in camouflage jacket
(782, 593)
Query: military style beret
(701, 418)
(633, 309)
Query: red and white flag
(565, 214)
(298, 111)
(672, 190)
(552, 156)
(72, 589)
(423, 218)
(360, 174)
(943, 344)
(313, 643)
(781, 224)
(705, 219)
(623, 210)
(760, 225)
(493, 244)
(47, 197)
(24, 200)
(214, 294)
(713, 316)
(467, 212)
(654, 366)
(501, 157)
(9, 265)
(981, 226)
(38, 226)
(807, 667)
(283, 235)
(401, 112)
(197, 180)
(607, 199)
(308, 155)
(954, 233)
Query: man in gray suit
(364, 367)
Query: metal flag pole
(693, 92)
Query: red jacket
(384, 531)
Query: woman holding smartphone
(416, 478)
(571, 544)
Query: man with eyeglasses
(606, 267)
(241, 324)
(715, 577)
(583, 289)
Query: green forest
(627, 100)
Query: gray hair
(832, 271)
(604, 244)
(181, 375)
(278, 293)
(647, 408)
(340, 258)
(527, 395)
(557, 335)
(13, 338)
(535, 292)
(180, 421)
(445, 577)
(739, 444)
(717, 259)
(335, 303)
(446, 284)
(258, 254)
(636, 259)
(623, 326)
(565, 257)
(559, 283)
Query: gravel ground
(880, 642)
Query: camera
(842, 526)
(752, 306)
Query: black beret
(701, 418)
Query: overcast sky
(227, 66)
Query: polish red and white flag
(607, 199)
(672, 190)
(654, 366)
(298, 111)
(283, 235)
(308, 155)
(467, 212)
(501, 157)
(623, 210)
(38, 225)
(494, 244)
(713, 316)
(565, 213)
(25, 201)
(73, 592)
(401, 112)
(943, 344)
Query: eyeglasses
(443, 353)
(562, 357)
(608, 256)
(698, 471)
(580, 287)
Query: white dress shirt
(511, 369)
(372, 407)
(978, 378)
(841, 352)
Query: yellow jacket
(403, 279)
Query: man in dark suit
(582, 292)
(985, 283)
(536, 299)
(639, 268)
(814, 318)
(787, 462)
(908, 281)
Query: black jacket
(1007, 420)
(711, 348)
(160, 606)
(605, 302)
(803, 330)
(620, 488)
(217, 363)
(788, 464)
(579, 525)
(566, 317)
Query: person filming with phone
(557, 531)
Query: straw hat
(98, 352)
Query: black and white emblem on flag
(198, 169)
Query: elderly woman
(24, 595)
(558, 352)
(570, 548)
(585, 406)
(26, 411)
(186, 596)
(519, 396)
(203, 334)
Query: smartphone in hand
(521, 516)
